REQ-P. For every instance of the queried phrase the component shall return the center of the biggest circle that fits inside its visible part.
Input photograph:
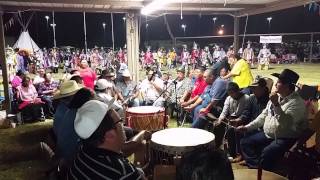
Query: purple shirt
(46, 86)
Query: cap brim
(275, 75)
(100, 89)
(254, 85)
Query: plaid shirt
(45, 86)
(182, 87)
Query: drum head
(182, 137)
(145, 110)
(251, 174)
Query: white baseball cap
(89, 116)
(102, 84)
(126, 73)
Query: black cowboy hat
(287, 76)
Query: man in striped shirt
(101, 131)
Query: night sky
(69, 29)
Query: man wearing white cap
(101, 131)
(128, 92)
(103, 89)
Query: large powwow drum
(168, 146)
(146, 118)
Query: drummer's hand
(184, 104)
(217, 122)
(274, 98)
(242, 129)
(204, 111)
(188, 108)
(152, 83)
(147, 135)
(138, 138)
(236, 122)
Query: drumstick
(228, 124)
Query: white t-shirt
(38, 80)
(149, 91)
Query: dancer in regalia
(184, 57)
(264, 58)
(194, 56)
(148, 57)
(248, 54)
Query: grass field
(309, 73)
(20, 151)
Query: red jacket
(199, 87)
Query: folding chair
(302, 162)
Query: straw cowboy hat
(67, 88)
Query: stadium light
(214, 20)
(183, 26)
(221, 32)
(269, 19)
(154, 6)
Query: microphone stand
(176, 103)
(165, 101)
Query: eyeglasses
(119, 121)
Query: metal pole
(54, 30)
(247, 35)
(104, 36)
(311, 47)
(3, 62)
(236, 34)
(112, 31)
(85, 32)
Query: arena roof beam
(62, 9)
(237, 7)
(275, 6)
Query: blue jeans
(195, 113)
(201, 122)
(257, 150)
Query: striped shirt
(96, 163)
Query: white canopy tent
(26, 42)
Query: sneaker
(42, 119)
(237, 159)
(243, 163)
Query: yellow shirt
(243, 76)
